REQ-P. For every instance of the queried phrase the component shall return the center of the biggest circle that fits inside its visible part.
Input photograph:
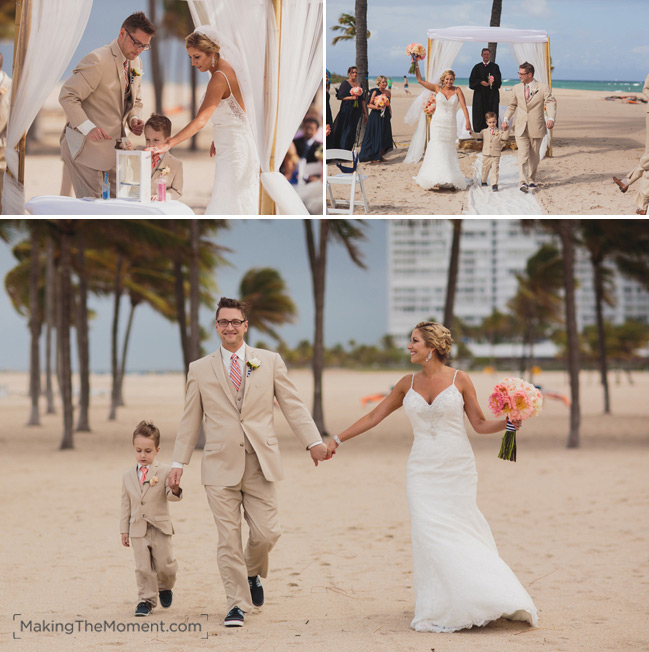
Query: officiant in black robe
(486, 97)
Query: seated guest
(306, 145)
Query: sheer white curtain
(287, 81)
(54, 34)
(442, 55)
(534, 53)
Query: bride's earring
(213, 61)
(429, 356)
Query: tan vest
(238, 397)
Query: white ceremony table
(57, 205)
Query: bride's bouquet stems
(508, 444)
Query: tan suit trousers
(490, 164)
(155, 565)
(86, 181)
(529, 150)
(259, 501)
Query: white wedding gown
(441, 166)
(236, 171)
(460, 581)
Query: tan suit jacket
(531, 114)
(174, 178)
(96, 92)
(142, 506)
(210, 402)
(492, 145)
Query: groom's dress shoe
(523, 187)
(256, 590)
(639, 211)
(495, 188)
(166, 597)
(533, 187)
(620, 184)
(234, 618)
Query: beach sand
(572, 524)
(593, 139)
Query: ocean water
(573, 84)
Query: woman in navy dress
(378, 133)
(352, 107)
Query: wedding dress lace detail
(441, 167)
(459, 579)
(236, 164)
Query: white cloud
(536, 7)
(641, 49)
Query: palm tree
(263, 290)
(496, 12)
(35, 322)
(156, 69)
(50, 288)
(346, 27)
(348, 234)
(453, 271)
(361, 41)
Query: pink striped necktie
(144, 470)
(235, 372)
(527, 92)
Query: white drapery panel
(54, 34)
(442, 55)
(534, 53)
(288, 81)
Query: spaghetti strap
(412, 382)
(455, 374)
(227, 81)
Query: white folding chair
(348, 176)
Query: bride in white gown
(460, 581)
(236, 169)
(441, 168)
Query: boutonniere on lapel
(252, 364)
(135, 72)
(152, 481)
(165, 171)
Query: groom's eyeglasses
(223, 323)
(137, 44)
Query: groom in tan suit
(100, 99)
(530, 100)
(231, 393)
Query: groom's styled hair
(138, 20)
(224, 302)
(527, 67)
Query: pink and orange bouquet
(382, 101)
(357, 92)
(517, 400)
(416, 52)
(431, 104)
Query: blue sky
(589, 39)
(355, 302)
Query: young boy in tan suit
(157, 131)
(492, 142)
(145, 523)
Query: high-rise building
(492, 252)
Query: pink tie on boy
(144, 470)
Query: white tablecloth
(57, 205)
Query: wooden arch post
(266, 204)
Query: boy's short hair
(161, 123)
(149, 430)
(490, 114)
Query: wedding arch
(443, 47)
(281, 64)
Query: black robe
(484, 98)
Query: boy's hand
(212, 150)
(127, 144)
(173, 480)
(505, 126)
(176, 492)
(125, 540)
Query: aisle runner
(509, 200)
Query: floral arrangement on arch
(416, 52)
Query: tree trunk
(63, 330)
(566, 231)
(83, 348)
(194, 296)
(361, 44)
(114, 398)
(453, 270)
(318, 263)
(34, 327)
(156, 69)
(50, 289)
(127, 337)
(193, 143)
(181, 315)
(496, 12)
(598, 283)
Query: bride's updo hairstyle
(436, 336)
(202, 43)
(446, 73)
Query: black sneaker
(495, 188)
(256, 590)
(523, 187)
(484, 183)
(166, 597)
(234, 618)
(533, 187)
(143, 609)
